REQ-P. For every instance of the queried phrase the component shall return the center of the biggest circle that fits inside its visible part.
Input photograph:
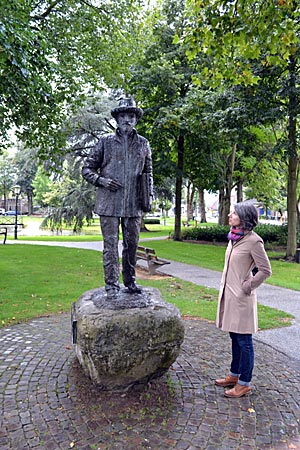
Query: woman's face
(234, 220)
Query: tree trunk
(5, 201)
(30, 204)
(239, 191)
(221, 206)
(143, 226)
(292, 207)
(225, 195)
(178, 188)
(298, 210)
(224, 209)
(292, 164)
(190, 201)
(202, 206)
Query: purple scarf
(235, 234)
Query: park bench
(3, 230)
(148, 254)
(186, 224)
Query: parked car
(11, 213)
(152, 215)
(2, 211)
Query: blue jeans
(242, 357)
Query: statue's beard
(126, 128)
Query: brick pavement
(48, 404)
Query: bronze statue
(120, 166)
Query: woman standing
(246, 267)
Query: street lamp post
(17, 191)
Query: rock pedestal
(127, 340)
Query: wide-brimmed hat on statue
(127, 104)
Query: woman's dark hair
(248, 215)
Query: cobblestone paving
(47, 402)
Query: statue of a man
(120, 166)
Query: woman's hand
(246, 286)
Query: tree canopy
(220, 91)
(51, 52)
(235, 37)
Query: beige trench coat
(237, 307)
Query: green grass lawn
(285, 274)
(38, 280)
(158, 232)
(42, 280)
(92, 232)
(88, 233)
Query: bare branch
(96, 8)
(109, 124)
(47, 11)
(56, 2)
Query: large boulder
(127, 340)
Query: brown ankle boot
(228, 381)
(238, 391)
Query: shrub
(211, 234)
(275, 234)
(152, 221)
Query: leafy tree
(164, 192)
(51, 50)
(70, 198)
(70, 201)
(224, 145)
(201, 135)
(268, 185)
(240, 51)
(266, 181)
(201, 166)
(161, 80)
(7, 176)
(26, 166)
(41, 185)
(90, 121)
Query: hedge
(275, 234)
(216, 233)
(152, 221)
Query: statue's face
(126, 121)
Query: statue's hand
(110, 184)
